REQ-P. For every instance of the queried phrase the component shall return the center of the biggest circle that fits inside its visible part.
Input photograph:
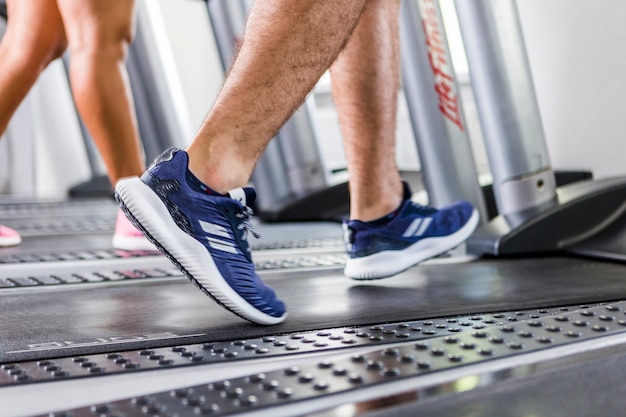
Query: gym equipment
(534, 216)
(435, 108)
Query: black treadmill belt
(67, 321)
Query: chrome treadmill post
(533, 215)
(508, 109)
(435, 108)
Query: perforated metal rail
(299, 244)
(16, 258)
(344, 373)
(276, 345)
(313, 379)
(37, 280)
(21, 280)
(98, 216)
(91, 206)
(61, 256)
(66, 226)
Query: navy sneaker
(202, 232)
(413, 234)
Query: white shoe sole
(10, 241)
(149, 214)
(387, 263)
(132, 243)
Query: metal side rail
(63, 278)
(281, 248)
(270, 346)
(413, 368)
(62, 256)
(67, 225)
(15, 209)
(91, 267)
(70, 217)
(318, 243)
(33, 217)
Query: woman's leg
(99, 33)
(34, 37)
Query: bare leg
(34, 37)
(366, 79)
(99, 33)
(365, 83)
(286, 48)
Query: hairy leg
(99, 33)
(34, 37)
(286, 48)
(365, 83)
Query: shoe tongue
(406, 191)
(245, 196)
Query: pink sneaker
(9, 237)
(127, 237)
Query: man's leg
(99, 33)
(286, 48)
(34, 37)
(365, 82)
(387, 232)
(181, 202)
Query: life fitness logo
(102, 341)
(442, 70)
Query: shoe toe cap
(262, 297)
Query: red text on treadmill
(444, 81)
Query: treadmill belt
(74, 320)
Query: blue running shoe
(203, 233)
(413, 234)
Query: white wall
(577, 53)
(195, 53)
(60, 156)
(42, 152)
